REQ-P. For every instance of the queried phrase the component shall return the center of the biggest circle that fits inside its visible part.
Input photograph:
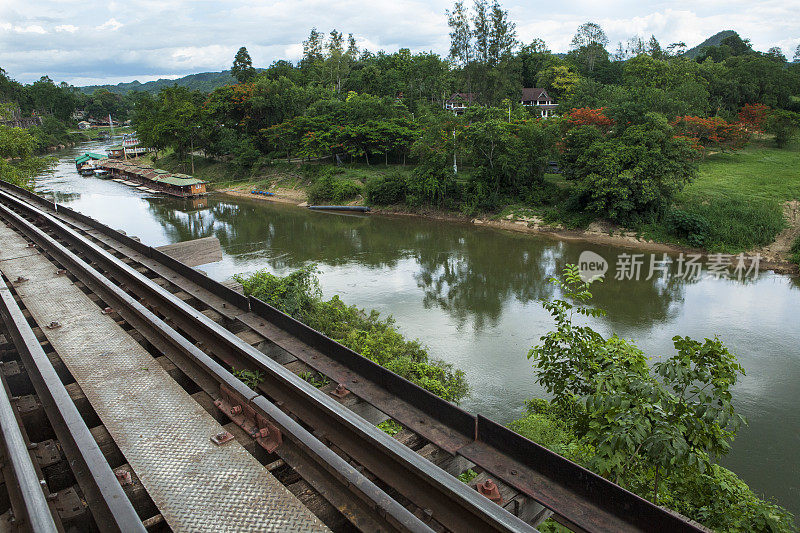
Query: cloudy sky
(85, 42)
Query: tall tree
(242, 68)
(797, 53)
(482, 29)
(460, 38)
(654, 48)
(502, 36)
(777, 54)
(312, 48)
(590, 38)
(336, 63)
(352, 47)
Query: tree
(712, 133)
(754, 116)
(337, 64)
(654, 48)
(682, 420)
(560, 80)
(591, 38)
(796, 54)
(242, 68)
(460, 38)
(17, 162)
(481, 21)
(629, 177)
(503, 35)
(312, 55)
(775, 53)
(676, 49)
(588, 117)
(784, 125)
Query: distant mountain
(204, 81)
(714, 40)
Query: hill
(203, 81)
(714, 40)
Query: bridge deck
(162, 432)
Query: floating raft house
(156, 179)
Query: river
(472, 295)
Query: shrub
(795, 251)
(784, 125)
(330, 187)
(386, 190)
(736, 224)
(376, 338)
(692, 227)
(717, 498)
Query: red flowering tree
(586, 116)
(712, 133)
(754, 116)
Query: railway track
(322, 442)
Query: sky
(89, 42)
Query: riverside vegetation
(298, 295)
(656, 430)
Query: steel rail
(579, 498)
(111, 508)
(459, 507)
(32, 510)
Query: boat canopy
(94, 155)
(82, 159)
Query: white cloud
(69, 28)
(31, 28)
(110, 24)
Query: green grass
(741, 195)
(758, 171)
(795, 251)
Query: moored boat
(86, 170)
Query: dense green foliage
(329, 186)
(795, 251)
(717, 498)
(298, 295)
(630, 130)
(630, 126)
(656, 430)
(17, 162)
(629, 176)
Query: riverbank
(750, 200)
(597, 232)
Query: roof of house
(532, 93)
(94, 155)
(468, 97)
(81, 159)
(179, 181)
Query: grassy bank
(740, 196)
